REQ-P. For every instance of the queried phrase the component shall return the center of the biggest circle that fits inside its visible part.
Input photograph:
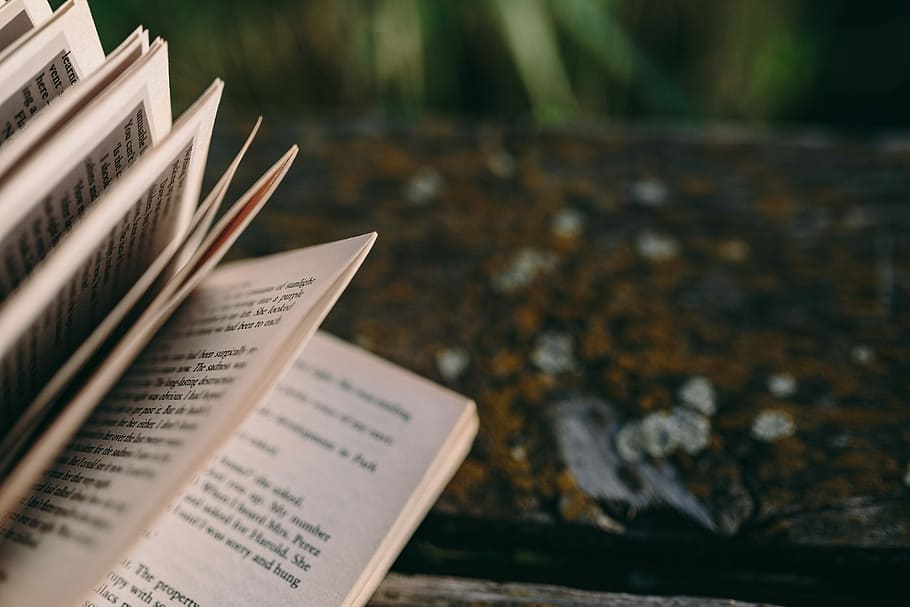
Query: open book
(172, 433)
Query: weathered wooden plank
(432, 591)
(675, 340)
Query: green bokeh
(756, 61)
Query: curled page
(46, 124)
(234, 336)
(97, 263)
(314, 494)
(18, 17)
(97, 351)
(52, 190)
(39, 67)
(113, 364)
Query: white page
(296, 506)
(40, 66)
(47, 123)
(20, 469)
(18, 17)
(50, 192)
(97, 263)
(234, 345)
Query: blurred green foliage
(834, 61)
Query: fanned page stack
(172, 433)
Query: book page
(17, 17)
(305, 494)
(113, 345)
(47, 123)
(38, 67)
(193, 384)
(97, 263)
(52, 190)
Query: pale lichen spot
(862, 354)
(554, 353)
(423, 186)
(659, 436)
(656, 247)
(650, 193)
(568, 224)
(782, 385)
(772, 425)
(661, 433)
(452, 363)
(525, 267)
(518, 453)
(698, 393)
(692, 430)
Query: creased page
(182, 397)
(42, 64)
(46, 124)
(46, 196)
(299, 502)
(114, 344)
(18, 17)
(98, 262)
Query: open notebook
(172, 432)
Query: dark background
(834, 63)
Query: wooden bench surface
(430, 591)
(690, 350)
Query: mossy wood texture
(430, 591)
(689, 350)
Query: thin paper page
(20, 469)
(49, 122)
(18, 17)
(40, 66)
(292, 510)
(193, 384)
(98, 262)
(43, 198)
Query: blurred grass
(768, 61)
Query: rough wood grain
(432, 591)
(690, 350)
